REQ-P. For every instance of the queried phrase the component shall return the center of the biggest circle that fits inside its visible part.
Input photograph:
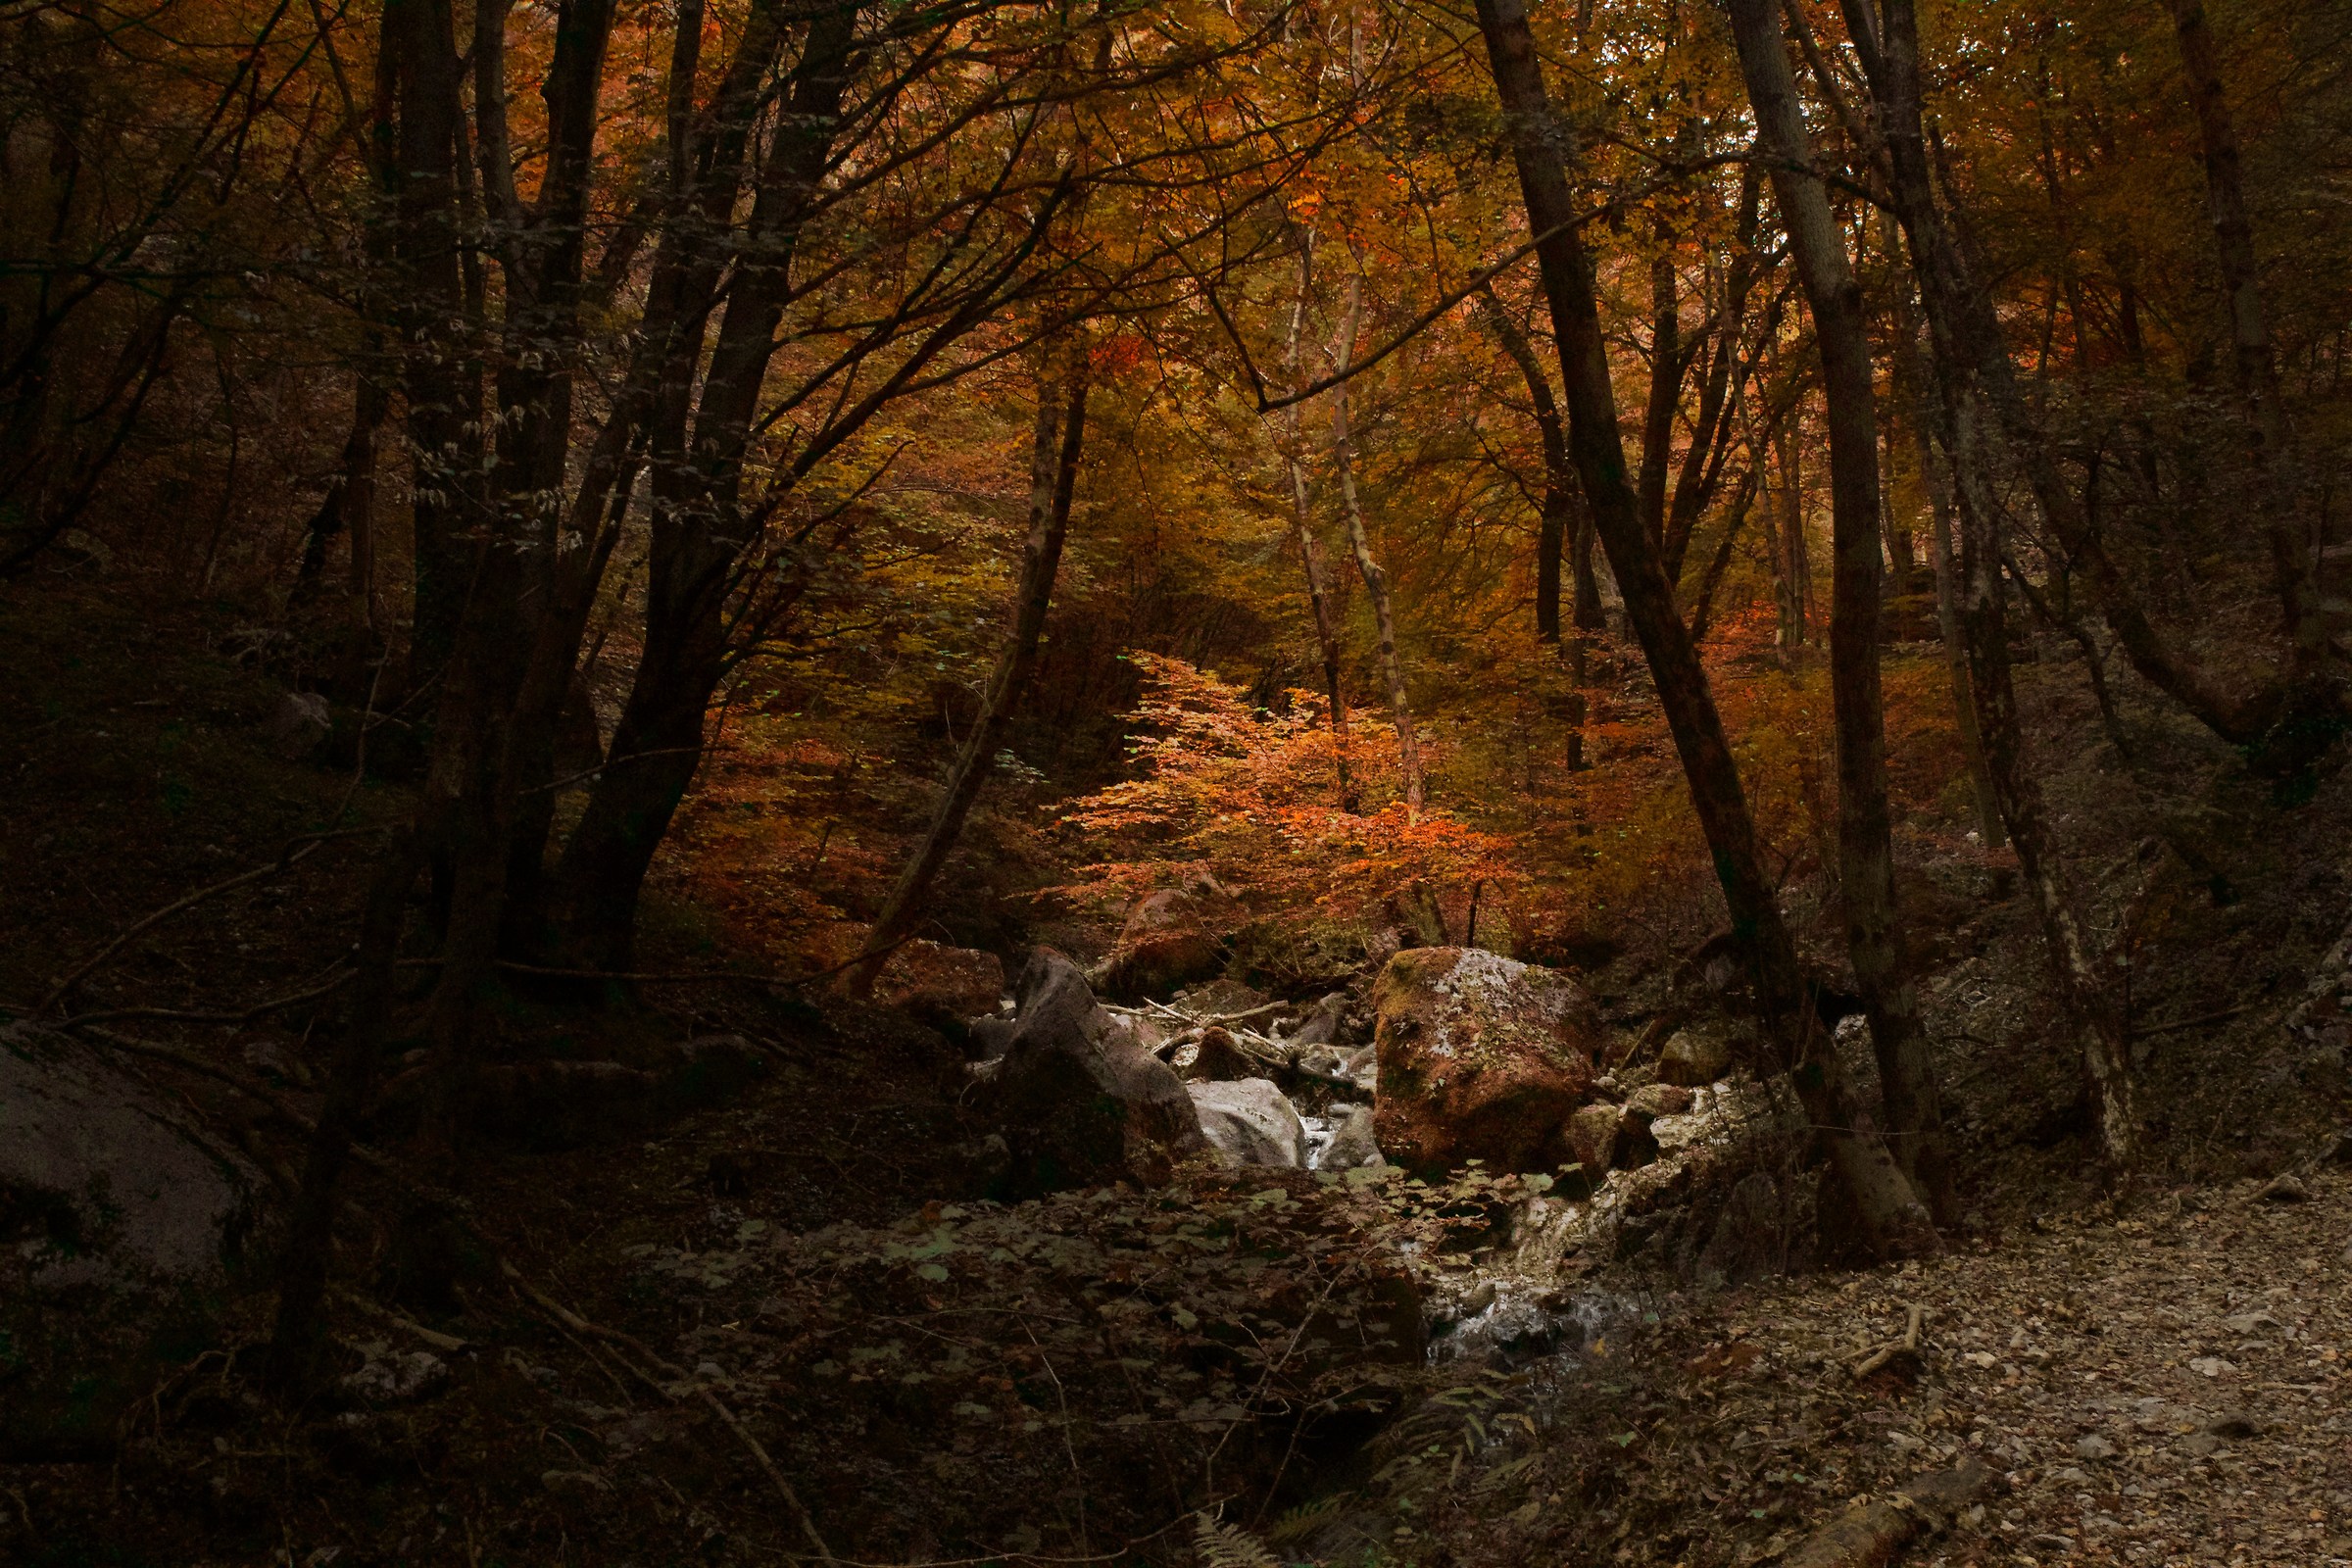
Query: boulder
(125, 1228)
(1695, 1057)
(1216, 1058)
(1593, 1145)
(1081, 1103)
(299, 725)
(1353, 1145)
(942, 984)
(1249, 1122)
(1479, 1057)
(1652, 1100)
(1166, 943)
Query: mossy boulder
(1481, 1058)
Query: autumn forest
(1234, 782)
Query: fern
(1223, 1546)
(1305, 1519)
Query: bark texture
(1889, 1210)
(1865, 834)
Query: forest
(1219, 783)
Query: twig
(432, 1337)
(2176, 1025)
(374, 1159)
(257, 1009)
(667, 976)
(580, 1325)
(287, 857)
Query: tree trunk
(1973, 369)
(1559, 513)
(1665, 388)
(1888, 1211)
(1376, 581)
(658, 741)
(2251, 353)
(1702, 602)
(1310, 550)
(1969, 339)
(1052, 482)
(300, 1335)
(1912, 378)
(1865, 834)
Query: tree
(1866, 849)
(1889, 1210)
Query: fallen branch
(257, 1010)
(1908, 1345)
(448, 1343)
(2178, 1025)
(287, 857)
(1874, 1534)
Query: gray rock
(990, 1038)
(2288, 1189)
(1353, 1146)
(1249, 1122)
(1079, 1101)
(128, 1226)
(2093, 1448)
(1695, 1057)
(1322, 1025)
(299, 725)
(392, 1376)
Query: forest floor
(2157, 1380)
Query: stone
(2287, 1189)
(1593, 1145)
(1167, 942)
(299, 725)
(941, 984)
(1353, 1146)
(1216, 1058)
(390, 1377)
(1322, 1024)
(1249, 1122)
(1659, 1100)
(1080, 1102)
(988, 1038)
(2093, 1448)
(1479, 1057)
(1693, 1058)
(127, 1229)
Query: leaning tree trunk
(698, 534)
(1865, 835)
(1376, 581)
(1888, 1211)
(1052, 482)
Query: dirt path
(2164, 1388)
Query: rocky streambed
(1452, 1058)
